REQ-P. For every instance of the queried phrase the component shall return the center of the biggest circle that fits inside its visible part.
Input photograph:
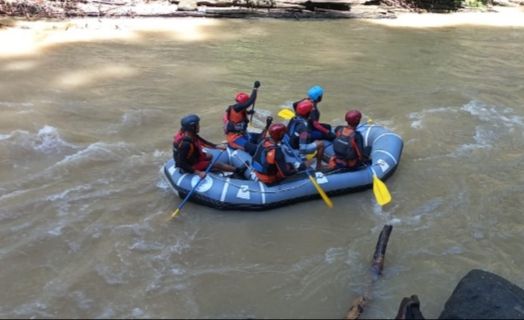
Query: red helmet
(241, 97)
(353, 117)
(277, 131)
(304, 108)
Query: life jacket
(295, 126)
(235, 121)
(260, 159)
(346, 147)
(194, 147)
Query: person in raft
(319, 130)
(188, 149)
(236, 121)
(349, 144)
(269, 161)
(300, 133)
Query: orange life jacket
(264, 162)
(235, 121)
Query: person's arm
(283, 167)
(314, 117)
(295, 104)
(303, 139)
(363, 157)
(183, 153)
(242, 106)
(209, 144)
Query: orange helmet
(304, 108)
(241, 97)
(353, 117)
(277, 131)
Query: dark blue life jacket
(295, 126)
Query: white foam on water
(137, 313)
(418, 117)
(32, 310)
(495, 124)
(352, 258)
(427, 209)
(98, 151)
(107, 313)
(178, 271)
(162, 184)
(82, 301)
(160, 154)
(141, 117)
(56, 230)
(146, 246)
(16, 105)
(135, 229)
(66, 194)
(332, 254)
(21, 226)
(111, 276)
(495, 115)
(455, 250)
(48, 140)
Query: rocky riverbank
(297, 9)
(290, 9)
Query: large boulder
(484, 295)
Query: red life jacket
(235, 121)
(195, 148)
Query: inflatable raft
(220, 191)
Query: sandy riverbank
(496, 17)
(29, 37)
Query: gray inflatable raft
(220, 191)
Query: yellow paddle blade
(311, 155)
(286, 114)
(381, 191)
(173, 215)
(324, 196)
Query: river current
(86, 126)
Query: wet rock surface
(484, 295)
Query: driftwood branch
(377, 264)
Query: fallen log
(377, 265)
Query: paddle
(286, 114)
(181, 205)
(380, 191)
(322, 193)
(269, 120)
(256, 85)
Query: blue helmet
(190, 122)
(315, 93)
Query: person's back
(318, 130)
(300, 133)
(188, 153)
(348, 145)
(269, 161)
